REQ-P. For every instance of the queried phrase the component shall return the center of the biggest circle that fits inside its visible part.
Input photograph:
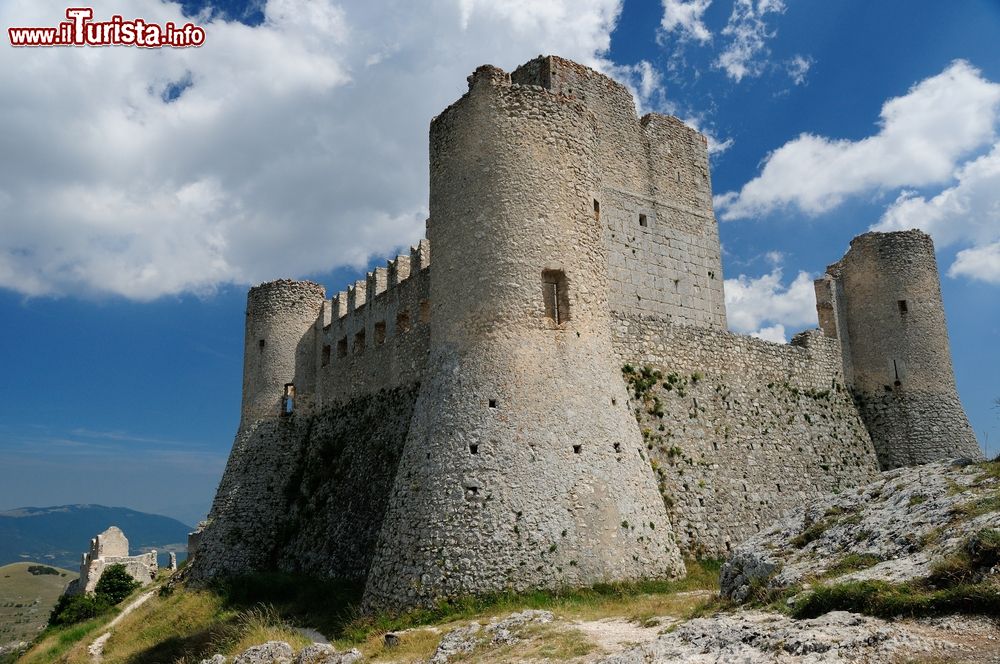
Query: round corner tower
(883, 300)
(279, 313)
(524, 466)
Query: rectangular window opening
(902, 306)
(597, 210)
(288, 399)
(555, 295)
(326, 354)
(577, 449)
(261, 344)
(493, 403)
(342, 347)
(473, 448)
(359, 342)
(403, 321)
(380, 333)
(643, 221)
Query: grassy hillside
(185, 625)
(26, 599)
(58, 535)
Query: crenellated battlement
(374, 334)
(378, 281)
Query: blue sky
(141, 192)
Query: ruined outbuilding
(111, 548)
(556, 400)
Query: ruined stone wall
(375, 335)
(143, 568)
(883, 302)
(739, 429)
(523, 467)
(111, 548)
(654, 202)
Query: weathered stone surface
(272, 652)
(214, 659)
(739, 430)
(756, 637)
(324, 653)
(499, 632)
(902, 523)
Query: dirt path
(96, 648)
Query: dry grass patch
(415, 645)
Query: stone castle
(556, 400)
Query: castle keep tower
(524, 466)
(883, 301)
(279, 316)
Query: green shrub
(853, 562)
(980, 551)
(115, 584)
(37, 570)
(888, 600)
(984, 548)
(811, 533)
(72, 609)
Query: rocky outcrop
(279, 652)
(757, 637)
(460, 643)
(895, 529)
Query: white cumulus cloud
(283, 149)
(798, 67)
(967, 213)
(922, 137)
(773, 333)
(764, 306)
(685, 17)
(745, 51)
(982, 263)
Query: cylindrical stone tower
(524, 466)
(279, 313)
(883, 300)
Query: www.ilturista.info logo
(79, 30)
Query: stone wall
(339, 490)
(247, 514)
(738, 429)
(375, 336)
(307, 492)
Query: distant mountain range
(58, 535)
